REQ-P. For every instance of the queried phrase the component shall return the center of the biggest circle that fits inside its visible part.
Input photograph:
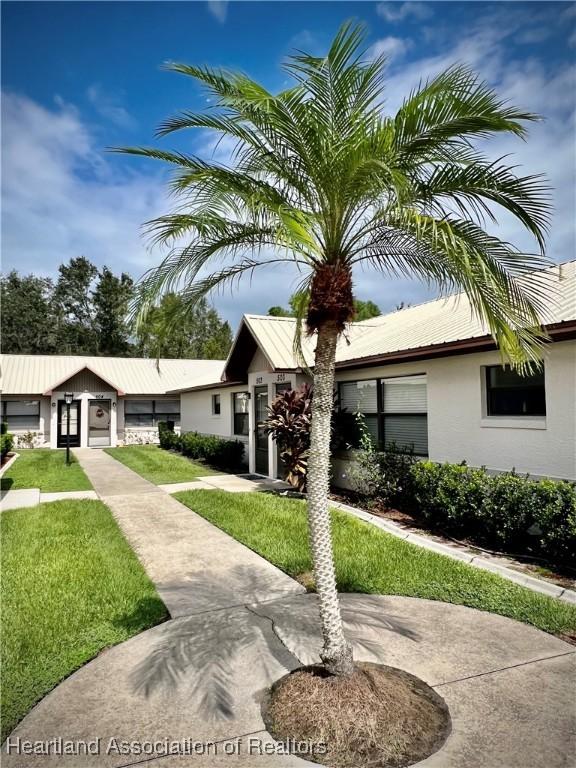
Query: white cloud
(395, 12)
(61, 197)
(527, 83)
(218, 9)
(391, 47)
(532, 36)
(108, 106)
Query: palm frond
(319, 175)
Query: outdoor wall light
(68, 397)
(114, 404)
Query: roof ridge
(111, 357)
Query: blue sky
(78, 77)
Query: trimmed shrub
(505, 512)
(223, 454)
(169, 440)
(6, 441)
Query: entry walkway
(186, 557)
(199, 682)
(189, 693)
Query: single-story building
(427, 376)
(115, 400)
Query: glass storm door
(280, 467)
(261, 438)
(63, 424)
(98, 423)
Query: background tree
(323, 178)
(363, 310)
(172, 331)
(110, 299)
(29, 324)
(73, 301)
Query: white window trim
(507, 422)
(513, 422)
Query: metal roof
(441, 321)
(33, 374)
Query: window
(147, 413)
(21, 414)
(166, 410)
(395, 410)
(362, 397)
(241, 403)
(216, 405)
(404, 419)
(510, 394)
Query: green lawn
(71, 586)
(45, 469)
(159, 466)
(371, 561)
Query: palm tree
(319, 176)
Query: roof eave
(564, 330)
(214, 385)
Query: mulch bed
(380, 717)
(563, 577)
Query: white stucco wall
(458, 428)
(196, 409)
(196, 414)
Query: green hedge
(168, 438)
(6, 440)
(506, 512)
(220, 453)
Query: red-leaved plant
(289, 424)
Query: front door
(280, 466)
(261, 438)
(61, 441)
(98, 423)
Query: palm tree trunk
(336, 653)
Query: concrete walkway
(509, 687)
(189, 692)
(230, 483)
(31, 497)
(194, 566)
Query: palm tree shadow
(365, 626)
(214, 656)
(207, 655)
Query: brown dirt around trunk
(380, 717)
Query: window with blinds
(148, 413)
(21, 414)
(395, 410)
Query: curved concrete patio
(239, 624)
(509, 686)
